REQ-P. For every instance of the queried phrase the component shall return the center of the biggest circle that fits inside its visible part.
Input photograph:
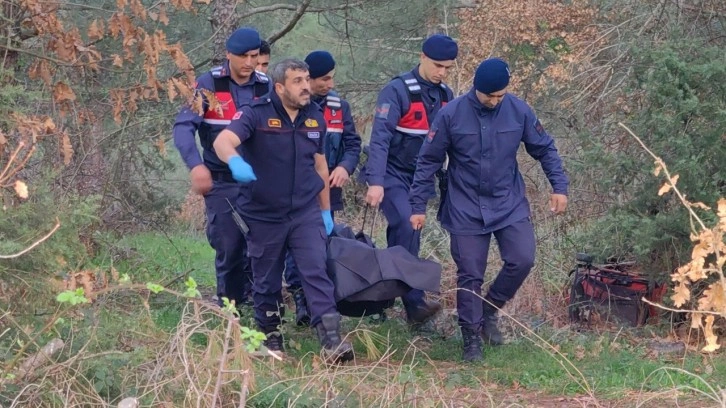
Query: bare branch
(274, 7)
(291, 24)
(35, 244)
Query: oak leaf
(681, 294)
(63, 93)
(96, 30)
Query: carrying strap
(365, 218)
(221, 84)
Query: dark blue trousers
(305, 237)
(470, 252)
(397, 209)
(234, 276)
(292, 276)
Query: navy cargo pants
(397, 209)
(234, 276)
(305, 237)
(470, 252)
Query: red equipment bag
(611, 291)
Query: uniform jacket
(486, 190)
(392, 154)
(282, 155)
(342, 143)
(210, 124)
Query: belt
(223, 176)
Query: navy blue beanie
(440, 47)
(320, 63)
(243, 40)
(491, 76)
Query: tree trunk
(224, 22)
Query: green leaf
(154, 287)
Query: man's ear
(279, 88)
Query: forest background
(89, 93)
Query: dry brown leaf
(117, 61)
(161, 145)
(700, 205)
(3, 139)
(66, 149)
(658, 169)
(711, 339)
(96, 30)
(171, 90)
(163, 18)
(681, 294)
(138, 9)
(714, 298)
(21, 189)
(63, 93)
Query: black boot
(274, 341)
(423, 313)
(472, 344)
(334, 348)
(302, 315)
(489, 331)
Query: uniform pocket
(254, 249)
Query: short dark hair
(264, 48)
(278, 71)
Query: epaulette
(261, 77)
(218, 72)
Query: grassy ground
(162, 349)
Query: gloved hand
(241, 170)
(328, 221)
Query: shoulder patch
(237, 115)
(217, 72)
(430, 136)
(382, 110)
(539, 128)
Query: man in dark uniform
(285, 201)
(342, 151)
(481, 133)
(405, 109)
(234, 85)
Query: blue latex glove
(328, 221)
(241, 170)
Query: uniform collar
(226, 74)
(420, 79)
(480, 108)
(320, 100)
(277, 103)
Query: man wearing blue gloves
(342, 151)
(285, 201)
(234, 85)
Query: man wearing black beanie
(405, 108)
(481, 132)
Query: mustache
(305, 93)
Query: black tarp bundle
(368, 279)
